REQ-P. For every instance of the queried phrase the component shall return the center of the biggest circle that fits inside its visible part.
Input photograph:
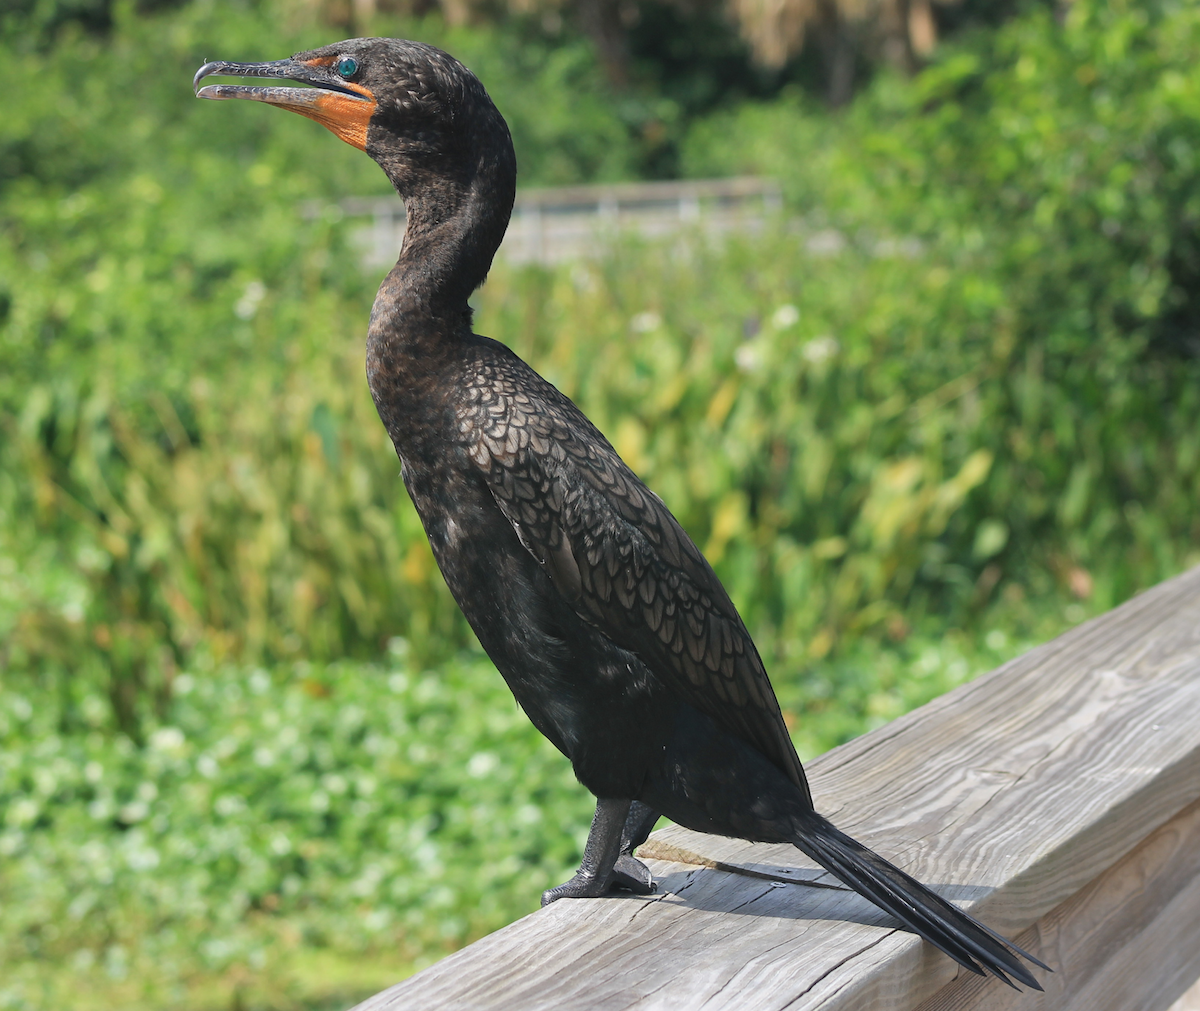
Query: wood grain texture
(1014, 795)
(1128, 941)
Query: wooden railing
(1058, 798)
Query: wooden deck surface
(1057, 797)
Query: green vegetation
(278, 815)
(950, 413)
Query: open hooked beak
(342, 106)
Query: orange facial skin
(347, 117)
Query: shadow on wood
(1057, 798)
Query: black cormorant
(609, 626)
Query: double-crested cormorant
(609, 626)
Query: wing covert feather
(615, 552)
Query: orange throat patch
(348, 118)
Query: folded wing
(615, 552)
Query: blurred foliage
(1024, 218)
(948, 406)
(273, 818)
(960, 384)
(1059, 162)
(665, 62)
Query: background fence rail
(571, 222)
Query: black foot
(632, 875)
(582, 886)
(628, 874)
(608, 862)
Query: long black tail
(963, 938)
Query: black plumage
(611, 629)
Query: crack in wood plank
(830, 971)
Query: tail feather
(960, 936)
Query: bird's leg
(600, 854)
(629, 872)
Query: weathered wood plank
(1010, 795)
(1142, 913)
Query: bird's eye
(347, 67)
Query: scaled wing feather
(615, 552)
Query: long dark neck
(449, 243)
(456, 219)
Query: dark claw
(632, 875)
(582, 886)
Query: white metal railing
(572, 222)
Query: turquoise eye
(347, 67)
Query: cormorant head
(413, 108)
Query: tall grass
(899, 423)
